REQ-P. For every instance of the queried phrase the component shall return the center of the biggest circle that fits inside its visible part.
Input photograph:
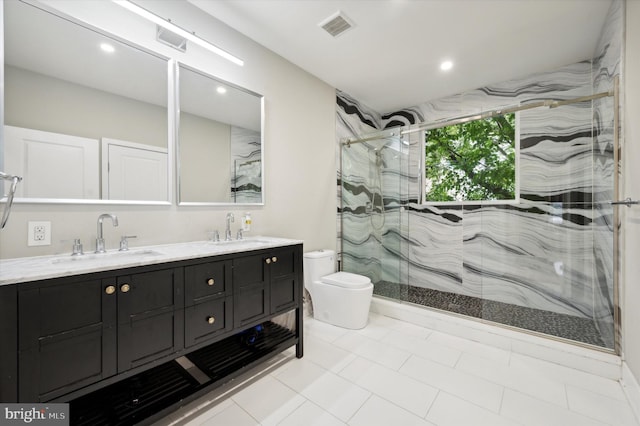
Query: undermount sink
(245, 241)
(127, 254)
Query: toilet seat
(346, 280)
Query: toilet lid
(346, 279)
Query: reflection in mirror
(85, 115)
(220, 141)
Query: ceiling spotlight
(221, 90)
(446, 65)
(106, 47)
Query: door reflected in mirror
(220, 141)
(85, 115)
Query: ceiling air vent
(336, 24)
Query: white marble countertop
(24, 269)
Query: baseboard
(578, 357)
(631, 388)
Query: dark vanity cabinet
(150, 316)
(78, 330)
(67, 335)
(265, 284)
(80, 335)
(209, 300)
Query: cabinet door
(67, 337)
(150, 316)
(9, 346)
(284, 279)
(250, 289)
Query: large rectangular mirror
(220, 150)
(86, 117)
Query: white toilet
(338, 298)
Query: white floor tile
(327, 355)
(268, 400)
(411, 329)
(334, 394)
(597, 406)
(528, 379)
(232, 415)
(476, 348)
(373, 350)
(379, 412)
(464, 385)
(377, 327)
(309, 414)
(534, 412)
(570, 376)
(405, 392)
(423, 348)
(322, 330)
(449, 410)
(394, 373)
(299, 374)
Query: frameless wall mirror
(219, 145)
(86, 115)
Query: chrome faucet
(99, 239)
(227, 234)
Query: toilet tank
(317, 264)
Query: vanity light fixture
(177, 30)
(446, 65)
(106, 47)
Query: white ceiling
(390, 59)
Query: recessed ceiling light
(106, 47)
(446, 65)
(221, 90)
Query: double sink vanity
(127, 336)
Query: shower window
(472, 161)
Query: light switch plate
(39, 234)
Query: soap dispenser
(246, 222)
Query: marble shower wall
(246, 165)
(607, 66)
(551, 251)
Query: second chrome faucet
(227, 233)
(100, 247)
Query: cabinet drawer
(208, 319)
(207, 279)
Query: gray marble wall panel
(352, 119)
(607, 65)
(246, 173)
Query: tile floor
(393, 373)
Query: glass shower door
(372, 212)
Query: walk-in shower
(543, 262)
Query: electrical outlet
(39, 234)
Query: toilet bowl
(338, 298)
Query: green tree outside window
(472, 161)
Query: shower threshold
(569, 327)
